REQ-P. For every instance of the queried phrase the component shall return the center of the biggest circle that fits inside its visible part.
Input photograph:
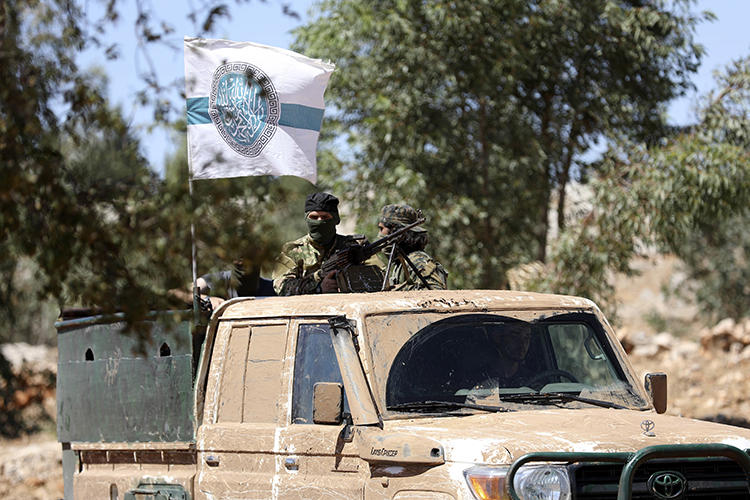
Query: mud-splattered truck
(420, 395)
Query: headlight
(532, 482)
(542, 482)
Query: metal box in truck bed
(120, 386)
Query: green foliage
(717, 263)
(26, 318)
(239, 218)
(40, 217)
(476, 111)
(687, 194)
(84, 220)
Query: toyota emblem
(667, 485)
(648, 426)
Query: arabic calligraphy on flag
(252, 109)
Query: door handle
(211, 460)
(291, 463)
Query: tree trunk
(563, 176)
(562, 183)
(542, 221)
(488, 277)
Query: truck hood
(500, 438)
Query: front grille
(707, 479)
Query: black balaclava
(322, 232)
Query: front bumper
(632, 461)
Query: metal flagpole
(193, 252)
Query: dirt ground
(31, 468)
(30, 464)
(707, 378)
(708, 370)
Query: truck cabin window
(315, 361)
(494, 360)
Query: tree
(39, 216)
(687, 193)
(84, 219)
(477, 111)
(717, 261)
(78, 203)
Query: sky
(725, 39)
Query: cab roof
(362, 304)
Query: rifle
(357, 254)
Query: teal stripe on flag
(292, 115)
(197, 111)
(299, 116)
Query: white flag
(252, 109)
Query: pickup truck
(393, 395)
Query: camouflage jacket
(403, 278)
(297, 269)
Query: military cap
(400, 216)
(323, 202)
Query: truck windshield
(430, 361)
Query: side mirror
(328, 402)
(656, 386)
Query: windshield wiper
(563, 397)
(436, 405)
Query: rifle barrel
(374, 247)
(342, 257)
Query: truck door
(236, 440)
(316, 461)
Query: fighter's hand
(209, 304)
(205, 305)
(329, 284)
